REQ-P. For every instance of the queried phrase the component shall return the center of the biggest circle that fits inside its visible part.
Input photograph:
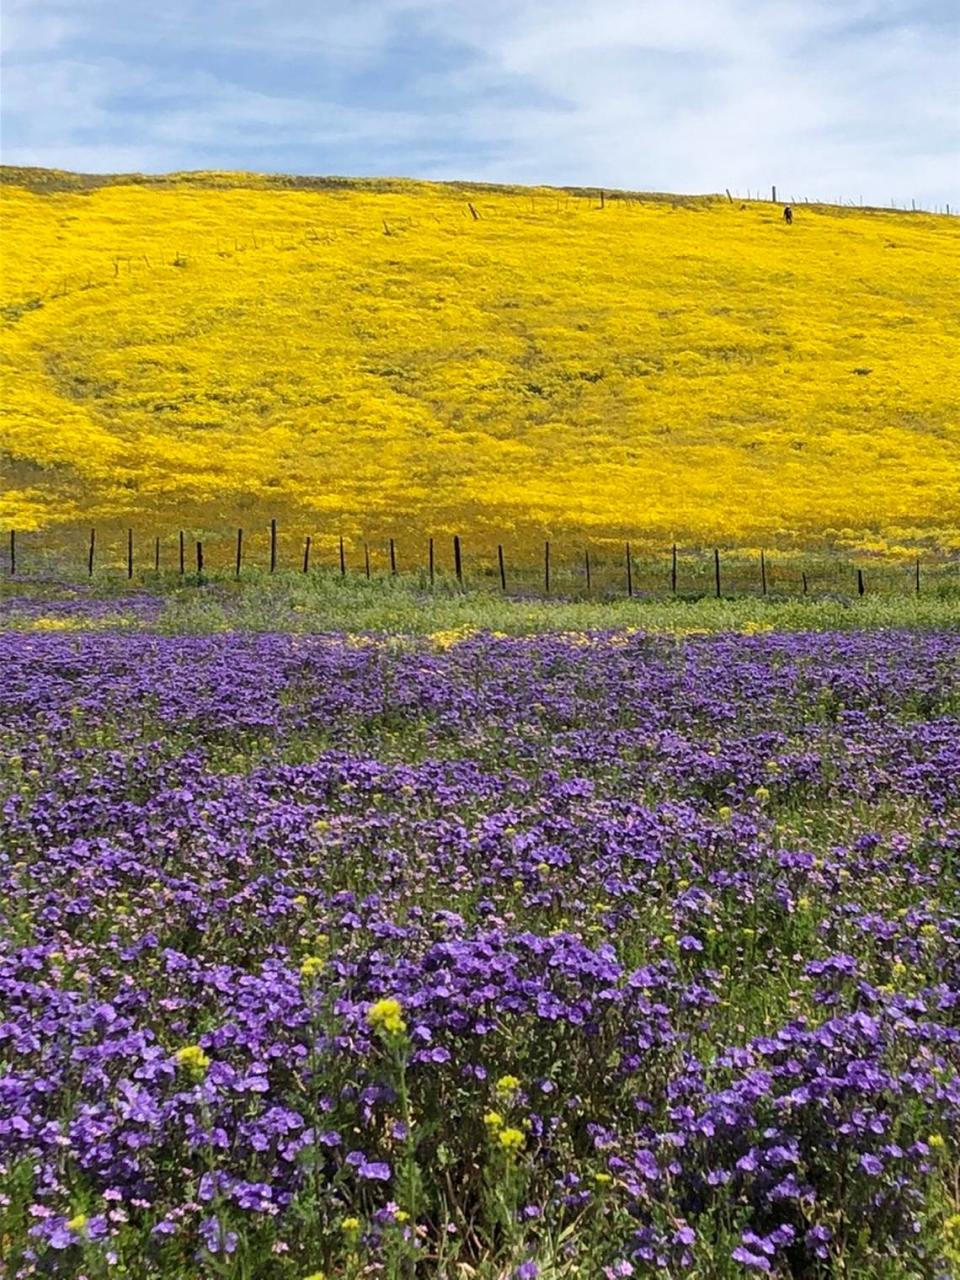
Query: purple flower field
(570, 956)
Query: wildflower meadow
(479, 734)
(376, 359)
(591, 954)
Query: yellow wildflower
(386, 1016)
(192, 1058)
(510, 1139)
(78, 1223)
(493, 1120)
(311, 966)
(507, 1085)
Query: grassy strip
(325, 602)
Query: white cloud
(826, 98)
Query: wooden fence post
(861, 588)
(763, 573)
(673, 571)
(156, 555)
(546, 567)
(182, 566)
(503, 571)
(393, 559)
(629, 573)
(917, 575)
(430, 560)
(306, 555)
(239, 551)
(273, 546)
(199, 559)
(586, 562)
(13, 552)
(804, 578)
(129, 553)
(716, 570)
(343, 560)
(93, 542)
(457, 557)
(366, 560)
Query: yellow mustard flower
(311, 966)
(386, 1016)
(192, 1058)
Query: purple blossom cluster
(672, 929)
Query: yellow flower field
(377, 359)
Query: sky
(827, 99)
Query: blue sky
(827, 98)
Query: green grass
(409, 606)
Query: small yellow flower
(493, 1120)
(936, 1140)
(300, 900)
(316, 1275)
(518, 885)
(761, 794)
(602, 1179)
(725, 812)
(803, 904)
(350, 1226)
(510, 1139)
(507, 1085)
(78, 1223)
(401, 1216)
(192, 1058)
(386, 1016)
(311, 966)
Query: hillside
(377, 359)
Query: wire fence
(564, 568)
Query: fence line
(554, 573)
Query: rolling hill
(390, 358)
